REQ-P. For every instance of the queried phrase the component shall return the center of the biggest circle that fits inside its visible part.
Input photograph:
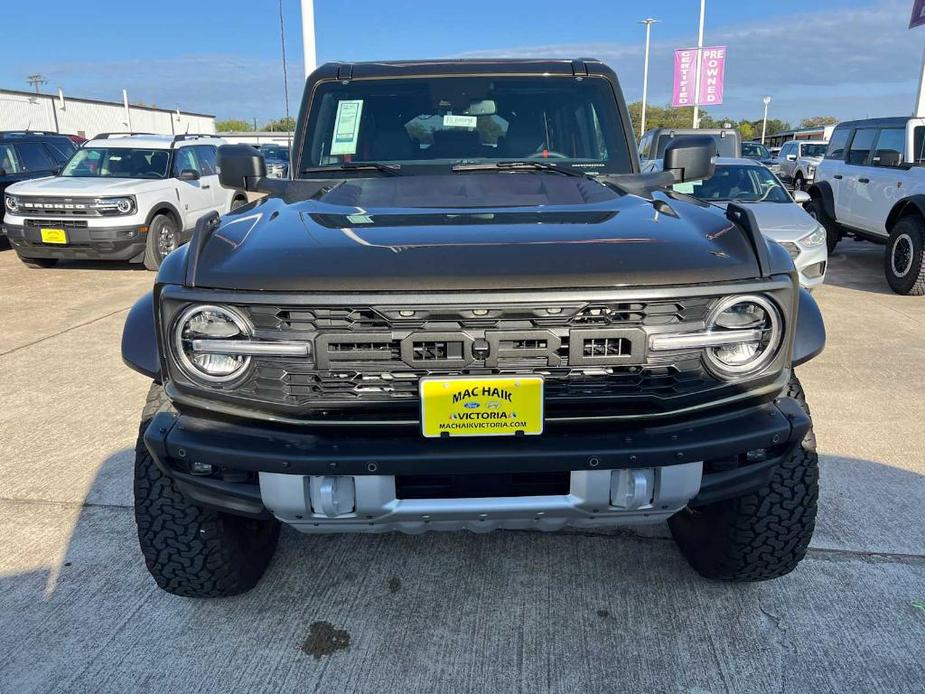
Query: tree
(233, 125)
(280, 125)
(818, 121)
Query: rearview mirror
(801, 197)
(690, 158)
(189, 175)
(240, 167)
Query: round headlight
(193, 331)
(124, 205)
(753, 324)
(12, 204)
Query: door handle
(206, 187)
(838, 176)
(863, 180)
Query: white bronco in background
(871, 185)
(120, 197)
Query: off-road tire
(154, 256)
(906, 273)
(191, 550)
(833, 230)
(37, 263)
(762, 535)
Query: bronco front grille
(587, 352)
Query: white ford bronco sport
(871, 185)
(798, 161)
(120, 197)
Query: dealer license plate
(482, 406)
(54, 236)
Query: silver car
(780, 215)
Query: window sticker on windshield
(686, 188)
(451, 121)
(346, 127)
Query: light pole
(764, 124)
(703, 10)
(308, 36)
(645, 74)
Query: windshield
(753, 150)
(814, 150)
(725, 145)
(118, 162)
(439, 122)
(737, 183)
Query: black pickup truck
(469, 310)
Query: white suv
(120, 197)
(799, 160)
(871, 185)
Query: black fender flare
(809, 339)
(139, 339)
(167, 207)
(913, 202)
(823, 191)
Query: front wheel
(191, 550)
(904, 266)
(799, 183)
(163, 237)
(761, 535)
(833, 232)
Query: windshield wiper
(519, 166)
(391, 169)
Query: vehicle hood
(781, 221)
(73, 185)
(813, 161)
(472, 231)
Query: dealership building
(20, 110)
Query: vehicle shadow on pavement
(860, 267)
(506, 611)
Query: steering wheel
(548, 154)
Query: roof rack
(106, 136)
(191, 136)
(28, 132)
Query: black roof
(468, 66)
(891, 122)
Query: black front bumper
(721, 440)
(106, 243)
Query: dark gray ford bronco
(469, 310)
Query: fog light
(815, 270)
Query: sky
(847, 58)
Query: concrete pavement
(508, 611)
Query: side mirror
(791, 157)
(801, 197)
(189, 175)
(690, 158)
(240, 167)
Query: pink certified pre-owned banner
(712, 76)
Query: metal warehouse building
(89, 117)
